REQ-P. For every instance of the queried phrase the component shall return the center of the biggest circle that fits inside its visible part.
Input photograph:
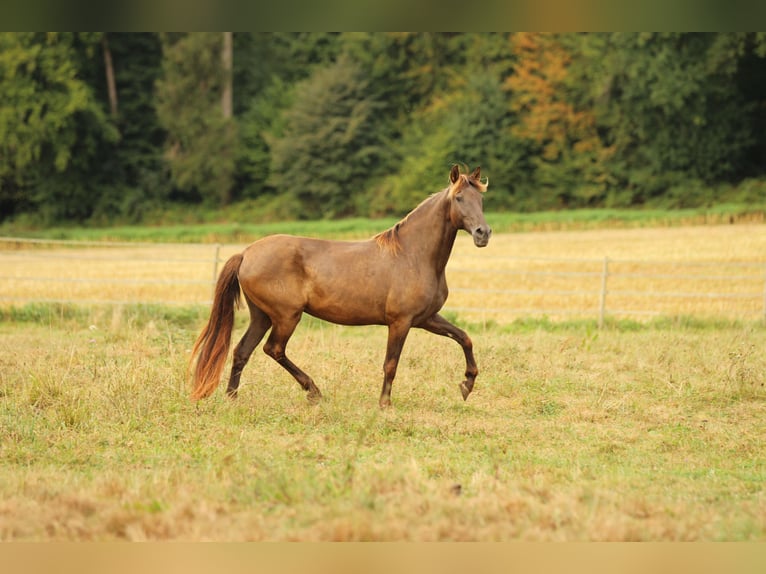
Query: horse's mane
(389, 239)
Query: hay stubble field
(634, 432)
(666, 271)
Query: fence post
(602, 301)
(764, 296)
(216, 259)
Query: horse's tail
(213, 342)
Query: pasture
(639, 431)
(702, 271)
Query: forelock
(464, 180)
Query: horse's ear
(454, 173)
(476, 174)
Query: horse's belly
(350, 289)
(346, 313)
(347, 294)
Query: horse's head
(466, 204)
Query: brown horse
(394, 279)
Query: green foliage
(332, 141)
(479, 124)
(41, 96)
(672, 110)
(348, 124)
(42, 313)
(424, 169)
(135, 179)
(181, 226)
(201, 147)
(51, 126)
(468, 126)
(405, 70)
(264, 122)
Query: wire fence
(606, 287)
(499, 288)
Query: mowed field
(704, 271)
(634, 432)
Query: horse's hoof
(384, 404)
(314, 398)
(465, 390)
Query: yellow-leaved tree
(569, 158)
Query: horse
(395, 279)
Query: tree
(266, 67)
(133, 176)
(331, 143)
(227, 55)
(110, 127)
(405, 69)
(109, 69)
(468, 124)
(260, 127)
(202, 143)
(741, 56)
(671, 112)
(51, 125)
(567, 155)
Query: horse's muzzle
(481, 235)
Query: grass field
(239, 224)
(640, 431)
(571, 434)
(668, 270)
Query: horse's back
(340, 281)
(296, 254)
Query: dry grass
(696, 260)
(640, 433)
(559, 274)
(570, 435)
(145, 273)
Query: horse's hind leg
(275, 348)
(439, 325)
(259, 324)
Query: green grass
(650, 433)
(224, 230)
(210, 232)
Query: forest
(101, 128)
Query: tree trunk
(110, 83)
(226, 58)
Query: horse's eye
(459, 198)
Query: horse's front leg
(397, 334)
(439, 325)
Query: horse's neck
(428, 231)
